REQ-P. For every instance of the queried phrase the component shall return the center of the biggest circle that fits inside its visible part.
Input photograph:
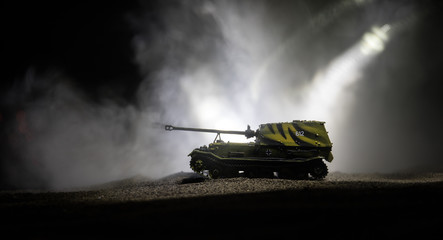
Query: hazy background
(87, 88)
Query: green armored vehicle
(293, 150)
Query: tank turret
(287, 150)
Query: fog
(357, 65)
(352, 64)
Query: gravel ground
(183, 185)
(186, 205)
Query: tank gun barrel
(248, 133)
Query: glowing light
(319, 21)
(327, 97)
(374, 41)
(344, 70)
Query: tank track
(216, 168)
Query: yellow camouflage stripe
(297, 133)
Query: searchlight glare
(374, 41)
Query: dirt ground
(185, 206)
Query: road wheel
(214, 173)
(318, 170)
(197, 165)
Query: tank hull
(255, 160)
(296, 149)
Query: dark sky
(109, 50)
(90, 42)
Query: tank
(294, 150)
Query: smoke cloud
(254, 62)
(68, 140)
(227, 64)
